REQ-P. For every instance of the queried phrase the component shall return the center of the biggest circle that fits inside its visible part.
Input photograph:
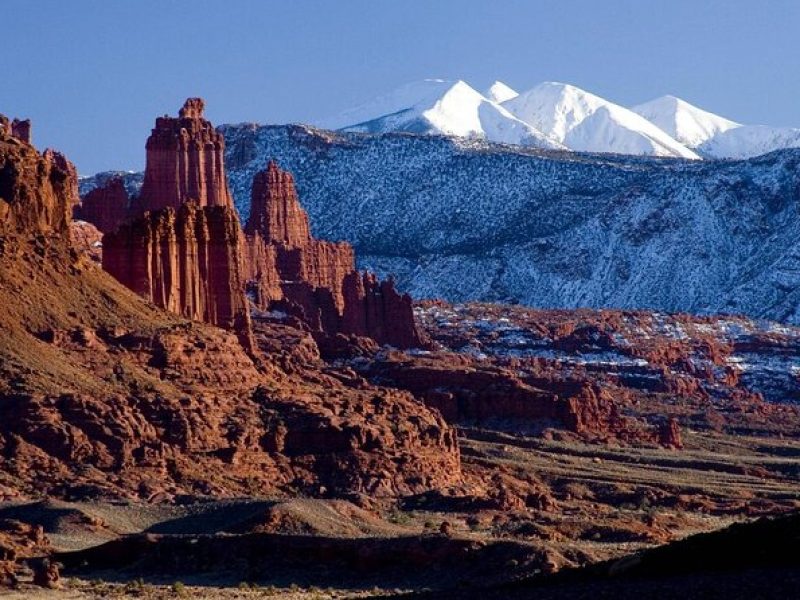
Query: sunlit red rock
(184, 252)
(317, 279)
(185, 162)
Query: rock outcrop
(36, 191)
(186, 260)
(185, 161)
(87, 240)
(313, 279)
(105, 395)
(106, 206)
(183, 253)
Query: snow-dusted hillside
(585, 122)
(713, 136)
(468, 220)
(750, 140)
(436, 106)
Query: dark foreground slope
(753, 560)
(465, 220)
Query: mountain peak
(441, 107)
(685, 122)
(586, 122)
(500, 92)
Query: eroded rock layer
(185, 161)
(316, 280)
(104, 394)
(185, 260)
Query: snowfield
(585, 122)
(557, 116)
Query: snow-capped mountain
(585, 122)
(436, 106)
(713, 136)
(469, 220)
(500, 92)
(750, 140)
(562, 116)
(685, 122)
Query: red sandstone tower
(185, 161)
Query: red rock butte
(181, 245)
(316, 279)
(185, 161)
(183, 252)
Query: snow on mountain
(713, 136)
(686, 123)
(469, 220)
(750, 140)
(499, 92)
(436, 106)
(585, 122)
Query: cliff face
(186, 260)
(36, 191)
(185, 161)
(103, 394)
(184, 252)
(316, 278)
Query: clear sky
(93, 75)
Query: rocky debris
(106, 206)
(185, 161)
(316, 280)
(19, 543)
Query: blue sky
(94, 75)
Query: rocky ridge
(314, 279)
(106, 395)
(466, 220)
